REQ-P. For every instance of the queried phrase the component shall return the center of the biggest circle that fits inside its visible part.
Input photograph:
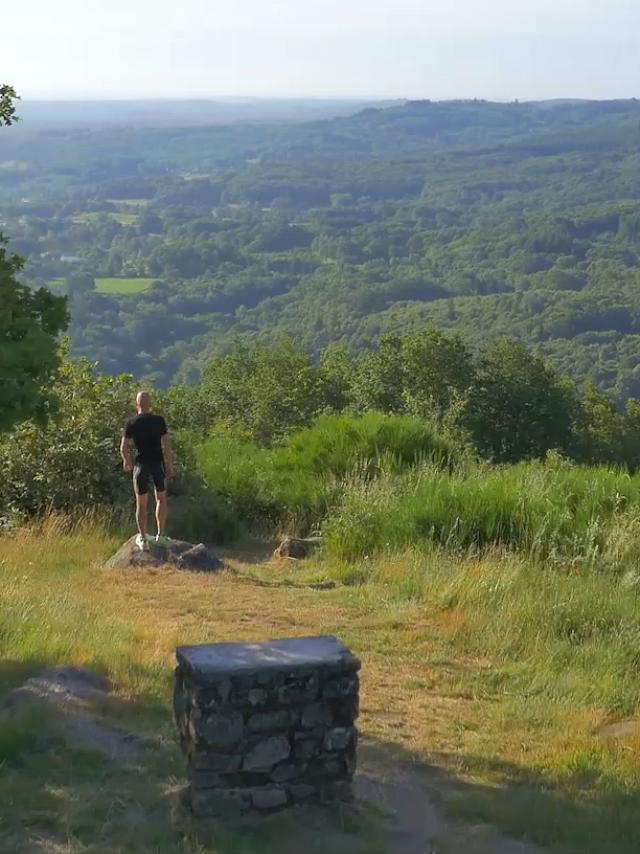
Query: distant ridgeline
(171, 240)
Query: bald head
(143, 401)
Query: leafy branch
(8, 97)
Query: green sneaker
(142, 543)
(163, 540)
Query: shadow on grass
(56, 796)
(53, 794)
(588, 814)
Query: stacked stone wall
(269, 735)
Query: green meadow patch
(122, 285)
(118, 216)
(492, 678)
(133, 203)
(124, 218)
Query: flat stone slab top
(212, 662)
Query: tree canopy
(488, 220)
(30, 322)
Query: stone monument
(265, 725)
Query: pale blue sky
(378, 48)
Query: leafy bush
(297, 483)
(336, 444)
(72, 461)
(261, 485)
(197, 512)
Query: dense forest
(173, 242)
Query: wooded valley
(487, 219)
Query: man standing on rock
(148, 433)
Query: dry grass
(433, 694)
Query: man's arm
(167, 453)
(125, 453)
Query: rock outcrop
(181, 555)
(72, 694)
(60, 686)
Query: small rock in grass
(296, 548)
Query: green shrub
(260, 485)
(196, 513)
(299, 482)
(71, 462)
(336, 444)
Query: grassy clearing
(492, 676)
(132, 203)
(58, 606)
(123, 285)
(119, 217)
(125, 218)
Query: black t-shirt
(147, 431)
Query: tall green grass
(544, 511)
(570, 636)
(376, 483)
(297, 484)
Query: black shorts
(143, 473)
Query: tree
(632, 434)
(439, 371)
(265, 392)
(423, 373)
(335, 377)
(519, 406)
(82, 437)
(379, 380)
(29, 324)
(600, 428)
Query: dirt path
(413, 688)
(416, 824)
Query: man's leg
(161, 512)
(141, 513)
(141, 488)
(160, 485)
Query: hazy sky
(389, 48)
